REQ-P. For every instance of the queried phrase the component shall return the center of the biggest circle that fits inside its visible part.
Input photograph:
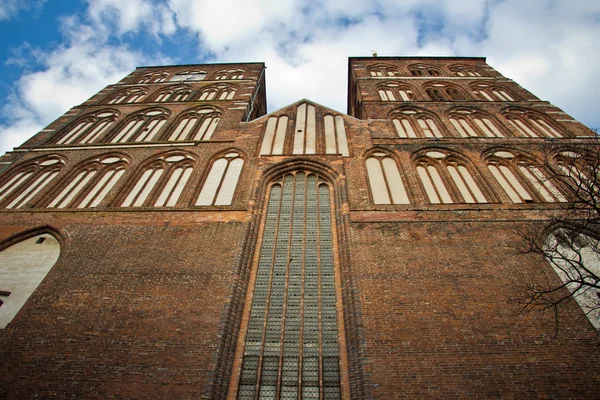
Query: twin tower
(169, 238)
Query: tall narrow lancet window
(487, 92)
(274, 137)
(305, 135)
(292, 345)
(531, 124)
(474, 123)
(174, 93)
(161, 182)
(229, 74)
(197, 124)
(447, 179)
(22, 185)
(131, 95)
(142, 127)
(89, 128)
(153, 77)
(217, 92)
(90, 183)
(188, 76)
(336, 141)
(221, 182)
(523, 180)
(415, 123)
(385, 181)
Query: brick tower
(168, 238)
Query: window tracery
(474, 123)
(466, 70)
(26, 181)
(89, 128)
(521, 178)
(217, 92)
(229, 74)
(153, 77)
(143, 126)
(415, 123)
(196, 124)
(90, 183)
(393, 91)
(161, 182)
(220, 184)
(492, 92)
(174, 93)
(382, 70)
(385, 181)
(448, 179)
(127, 96)
(445, 92)
(424, 70)
(532, 124)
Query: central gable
(304, 128)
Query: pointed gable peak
(293, 108)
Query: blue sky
(56, 54)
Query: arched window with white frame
(23, 183)
(173, 93)
(522, 179)
(442, 91)
(196, 124)
(161, 182)
(448, 179)
(532, 124)
(466, 71)
(220, 184)
(385, 180)
(127, 96)
(474, 123)
(217, 92)
(188, 76)
(229, 74)
(416, 123)
(383, 70)
(143, 126)
(492, 92)
(425, 70)
(153, 77)
(393, 91)
(89, 184)
(89, 128)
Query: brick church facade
(168, 238)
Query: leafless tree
(569, 241)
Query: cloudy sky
(56, 54)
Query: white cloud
(11, 8)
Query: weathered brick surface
(148, 302)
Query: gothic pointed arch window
(522, 178)
(161, 181)
(466, 70)
(531, 124)
(127, 96)
(89, 128)
(292, 344)
(229, 74)
(447, 178)
(383, 70)
(425, 70)
(385, 181)
(274, 136)
(222, 179)
(90, 182)
(25, 182)
(143, 126)
(188, 76)
(23, 267)
(470, 122)
(394, 91)
(416, 123)
(217, 92)
(153, 77)
(196, 124)
(492, 92)
(174, 93)
(442, 91)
